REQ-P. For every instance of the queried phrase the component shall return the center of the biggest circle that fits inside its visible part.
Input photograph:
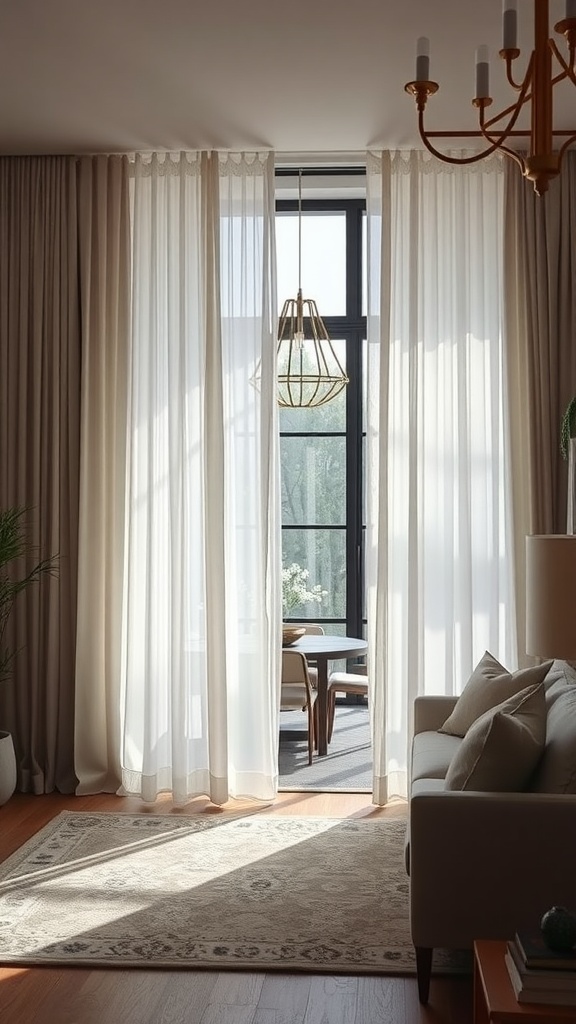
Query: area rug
(347, 767)
(256, 892)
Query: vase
(571, 505)
(7, 767)
(559, 929)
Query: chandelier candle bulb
(482, 73)
(423, 60)
(509, 24)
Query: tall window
(322, 459)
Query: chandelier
(309, 371)
(535, 90)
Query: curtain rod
(311, 172)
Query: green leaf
(15, 577)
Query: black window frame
(352, 329)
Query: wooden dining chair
(344, 682)
(297, 693)
(313, 629)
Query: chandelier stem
(541, 142)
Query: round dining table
(320, 650)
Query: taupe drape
(39, 452)
(64, 328)
(540, 285)
(104, 232)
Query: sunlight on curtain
(439, 554)
(203, 546)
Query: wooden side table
(494, 996)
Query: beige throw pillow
(489, 684)
(502, 748)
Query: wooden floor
(78, 995)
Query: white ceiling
(295, 76)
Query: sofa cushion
(488, 686)
(560, 678)
(431, 754)
(556, 770)
(424, 787)
(502, 748)
(560, 673)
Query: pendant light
(309, 371)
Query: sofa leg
(423, 970)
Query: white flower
(295, 590)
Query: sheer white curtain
(202, 637)
(440, 556)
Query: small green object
(568, 428)
(558, 928)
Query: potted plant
(14, 579)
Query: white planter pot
(571, 508)
(7, 767)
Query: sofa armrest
(484, 864)
(431, 711)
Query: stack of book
(538, 974)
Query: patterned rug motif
(256, 892)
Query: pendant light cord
(300, 229)
(310, 373)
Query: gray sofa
(483, 862)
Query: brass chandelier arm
(492, 148)
(569, 70)
(515, 109)
(509, 152)
(525, 95)
(565, 146)
(510, 56)
(507, 110)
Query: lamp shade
(551, 596)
